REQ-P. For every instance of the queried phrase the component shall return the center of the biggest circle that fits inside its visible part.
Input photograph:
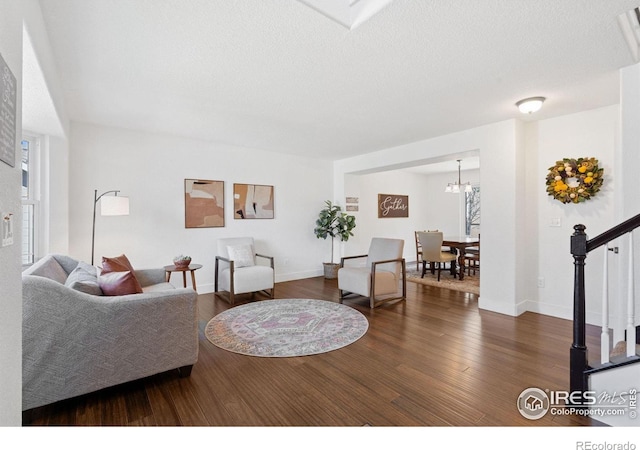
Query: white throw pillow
(241, 255)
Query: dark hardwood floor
(434, 360)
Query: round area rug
(286, 327)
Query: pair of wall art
(351, 204)
(204, 202)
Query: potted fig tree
(333, 222)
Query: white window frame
(33, 199)
(468, 226)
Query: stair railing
(580, 248)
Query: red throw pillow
(118, 283)
(118, 264)
(121, 264)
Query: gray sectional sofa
(75, 342)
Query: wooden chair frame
(418, 251)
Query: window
(29, 146)
(472, 209)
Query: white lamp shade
(114, 205)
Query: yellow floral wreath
(574, 180)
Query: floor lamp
(110, 206)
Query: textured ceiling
(278, 75)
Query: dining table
(459, 244)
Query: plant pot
(331, 270)
(182, 264)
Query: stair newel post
(578, 359)
(605, 338)
(631, 327)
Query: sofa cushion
(119, 283)
(84, 279)
(49, 267)
(241, 255)
(120, 264)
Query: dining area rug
(470, 283)
(286, 327)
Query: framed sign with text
(7, 114)
(390, 205)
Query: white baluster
(631, 329)
(604, 333)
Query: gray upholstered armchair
(237, 270)
(382, 278)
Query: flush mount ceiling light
(530, 105)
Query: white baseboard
(497, 306)
(280, 278)
(290, 276)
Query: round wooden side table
(190, 268)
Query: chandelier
(456, 188)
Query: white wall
(530, 259)
(151, 168)
(429, 206)
(516, 211)
(10, 256)
(55, 193)
(501, 169)
(15, 17)
(590, 133)
(628, 164)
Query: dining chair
(419, 247)
(418, 251)
(432, 253)
(472, 258)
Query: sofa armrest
(148, 277)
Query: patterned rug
(286, 327)
(469, 283)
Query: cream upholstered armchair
(238, 271)
(382, 278)
(431, 243)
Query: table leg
(193, 280)
(167, 275)
(184, 278)
(461, 264)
